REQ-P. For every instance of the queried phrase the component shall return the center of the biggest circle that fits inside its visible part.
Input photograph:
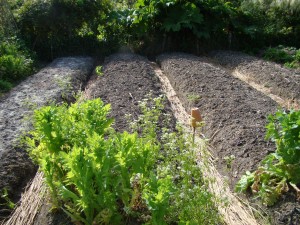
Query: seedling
(193, 98)
(99, 71)
(229, 160)
(5, 197)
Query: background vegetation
(51, 28)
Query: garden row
(235, 116)
(56, 83)
(280, 81)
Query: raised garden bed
(55, 83)
(280, 81)
(126, 80)
(234, 114)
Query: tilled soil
(55, 83)
(127, 79)
(234, 114)
(281, 81)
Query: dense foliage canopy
(53, 28)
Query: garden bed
(126, 79)
(234, 114)
(55, 83)
(278, 80)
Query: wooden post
(195, 120)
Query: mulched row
(282, 81)
(55, 83)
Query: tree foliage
(57, 27)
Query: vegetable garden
(106, 138)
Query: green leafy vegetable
(281, 168)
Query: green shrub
(99, 176)
(15, 64)
(289, 56)
(5, 86)
(297, 55)
(55, 28)
(278, 55)
(279, 170)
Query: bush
(62, 27)
(289, 56)
(99, 176)
(5, 86)
(15, 63)
(278, 55)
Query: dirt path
(281, 84)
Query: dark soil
(235, 116)
(282, 81)
(127, 79)
(55, 83)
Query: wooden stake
(196, 118)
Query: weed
(99, 71)
(5, 197)
(229, 160)
(193, 98)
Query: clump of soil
(281, 81)
(235, 116)
(55, 83)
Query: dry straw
(235, 212)
(31, 200)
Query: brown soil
(127, 79)
(234, 114)
(55, 83)
(280, 81)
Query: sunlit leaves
(280, 168)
